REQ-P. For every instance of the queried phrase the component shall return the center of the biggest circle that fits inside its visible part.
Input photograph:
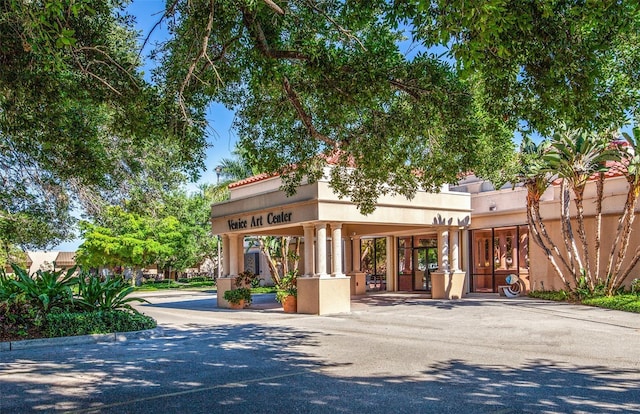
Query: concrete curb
(77, 340)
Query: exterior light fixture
(218, 170)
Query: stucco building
(467, 238)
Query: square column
(448, 282)
(308, 250)
(355, 254)
(320, 294)
(392, 267)
(226, 259)
(240, 254)
(233, 255)
(336, 249)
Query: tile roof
(616, 169)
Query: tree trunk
(567, 233)
(533, 218)
(579, 202)
(598, 222)
(629, 215)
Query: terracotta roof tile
(616, 169)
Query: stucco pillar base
(447, 285)
(324, 295)
(224, 284)
(358, 283)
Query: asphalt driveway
(392, 353)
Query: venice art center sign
(259, 220)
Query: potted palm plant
(287, 292)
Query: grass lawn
(199, 285)
(628, 302)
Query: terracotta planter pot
(239, 305)
(290, 304)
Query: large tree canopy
(309, 80)
(575, 62)
(327, 78)
(77, 119)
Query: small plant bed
(625, 302)
(180, 284)
(57, 303)
(628, 302)
(264, 289)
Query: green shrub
(108, 294)
(159, 282)
(100, 322)
(197, 279)
(628, 303)
(183, 280)
(18, 319)
(288, 286)
(8, 288)
(236, 295)
(635, 286)
(46, 289)
(207, 283)
(264, 289)
(557, 295)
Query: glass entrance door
(426, 261)
(373, 253)
(417, 258)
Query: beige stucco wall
(317, 203)
(542, 272)
(507, 207)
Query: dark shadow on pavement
(260, 369)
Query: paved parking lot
(392, 353)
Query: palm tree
(534, 173)
(230, 170)
(631, 170)
(576, 155)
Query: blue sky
(220, 136)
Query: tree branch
(275, 7)
(255, 29)
(341, 29)
(202, 53)
(304, 116)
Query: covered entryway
(333, 230)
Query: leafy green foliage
(46, 289)
(112, 293)
(542, 61)
(126, 241)
(627, 303)
(79, 123)
(620, 301)
(288, 286)
(8, 287)
(43, 305)
(18, 319)
(98, 322)
(172, 231)
(556, 295)
(237, 295)
(337, 86)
